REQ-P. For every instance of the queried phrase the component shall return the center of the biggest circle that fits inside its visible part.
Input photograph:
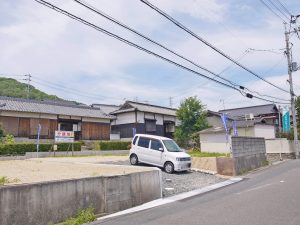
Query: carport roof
(50, 107)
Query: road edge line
(163, 201)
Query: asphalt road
(270, 196)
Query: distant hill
(13, 88)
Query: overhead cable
(94, 9)
(207, 43)
(53, 7)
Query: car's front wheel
(134, 159)
(169, 167)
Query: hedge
(112, 145)
(22, 148)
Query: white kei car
(159, 151)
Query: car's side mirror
(161, 149)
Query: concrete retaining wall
(248, 153)
(220, 165)
(279, 145)
(54, 201)
(29, 155)
(204, 163)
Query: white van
(158, 151)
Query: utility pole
(290, 70)
(171, 102)
(28, 79)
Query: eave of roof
(52, 108)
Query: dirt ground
(48, 169)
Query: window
(134, 140)
(155, 144)
(144, 142)
(150, 125)
(64, 126)
(171, 146)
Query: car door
(143, 149)
(157, 155)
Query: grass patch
(207, 154)
(5, 180)
(265, 163)
(82, 216)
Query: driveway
(179, 182)
(269, 197)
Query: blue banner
(235, 132)
(224, 120)
(286, 123)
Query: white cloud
(56, 48)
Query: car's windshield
(171, 146)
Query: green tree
(193, 118)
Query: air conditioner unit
(249, 116)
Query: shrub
(82, 217)
(112, 145)
(1, 132)
(22, 148)
(8, 139)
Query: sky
(76, 62)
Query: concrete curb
(205, 171)
(174, 198)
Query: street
(269, 196)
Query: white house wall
(140, 117)
(215, 147)
(159, 119)
(265, 131)
(213, 138)
(246, 131)
(169, 118)
(149, 116)
(125, 118)
(279, 145)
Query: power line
(268, 7)
(95, 10)
(207, 43)
(70, 90)
(279, 10)
(49, 5)
(267, 50)
(53, 7)
(92, 8)
(284, 7)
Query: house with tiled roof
(141, 118)
(267, 114)
(21, 118)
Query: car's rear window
(144, 142)
(134, 140)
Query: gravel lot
(180, 182)
(48, 169)
(45, 169)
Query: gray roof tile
(131, 106)
(255, 110)
(56, 108)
